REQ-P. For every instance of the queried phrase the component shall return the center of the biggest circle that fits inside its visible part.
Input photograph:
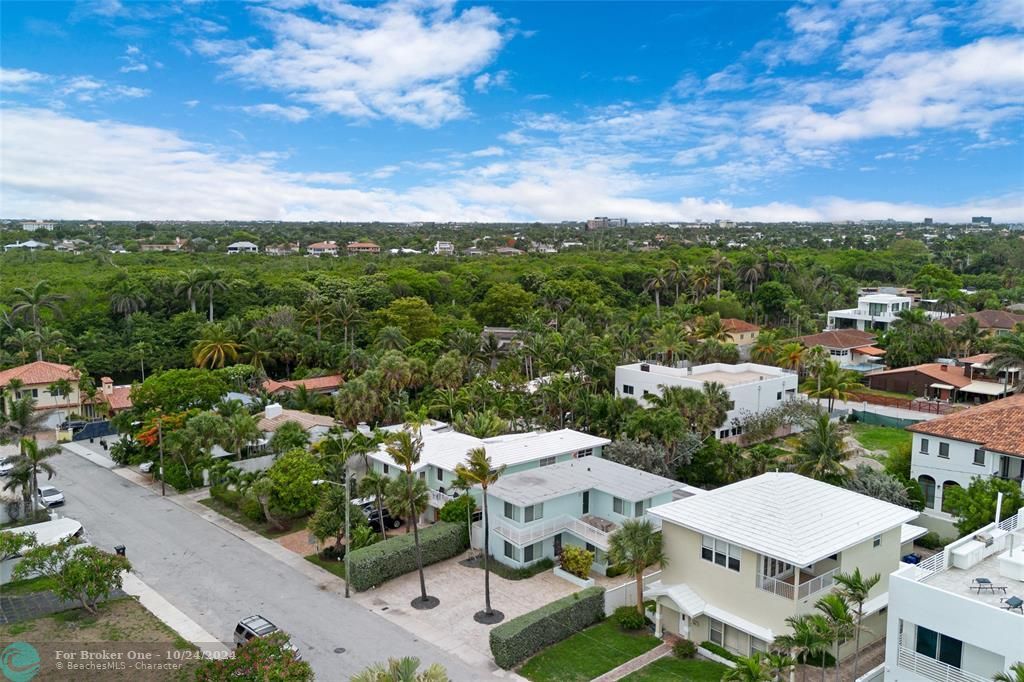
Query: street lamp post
(160, 438)
(348, 521)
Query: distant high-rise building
(981, 220)
(928, 221)
(601, 222)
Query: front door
(558, 545)
(684, 626)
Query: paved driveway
(216, 578)
(450, 626)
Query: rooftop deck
(958, 580)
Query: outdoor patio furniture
(1013, 604)
(980, 584)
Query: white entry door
(684, 626)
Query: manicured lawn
(40, 584)
(264, 529)
(672, 668)
(588, 654)
(332, 565)
(880, 437)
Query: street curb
(171, 616)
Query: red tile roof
(314, 384)
(40, 372)
(998, 425)
(839, 338)
(306, 420)
(323, 245)
(987, 319)
(119, 398)
(732, 324)
(979, 359)
(870, 350)
(952, 375)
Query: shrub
(231, 498)
(516, 640)
(629, 618)
(509, 573)
(684, 648)
(251, 508)
(720, 650)
(931, 540)
(577, 561)
(380, 562)
(454, 511)
(616, 571)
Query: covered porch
(795, 582)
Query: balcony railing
(775, 586)
(817, 584)
(805, 589)
(539, 530)
(439, 499)
(933, 669)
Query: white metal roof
(693, 605)
(786, 516)
(910, 532)
(984, 388)
(576, 475)
(51, 532)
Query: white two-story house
(744, 557)
(949, 451)
(752, 387)
(534, 513)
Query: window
(511, 551)
(387, 470)
(529, 552)
(440, 474)
(638, 509)
(724, 433)
(924, 446)
(717, 631)
(778, 396)
(585, 453)
(627, 389)
(547, 461)
(758, 645)
(928, 488)
(511, 511)
(948, 650)
(534, 512)
(618, 505)
(979, 456)
(591, 548)
(720, 552)
(732, 404)
(423, 475)
(586, 501)
(944, 450)
(876, 541)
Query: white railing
(1011, 523)
(439, 499)
(817, 584)
(933, 669)
(775, 586)
(537, 531)
(876, 674)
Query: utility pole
(348, 529)
(160, 437)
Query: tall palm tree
(375, 484)
(711, 328)
(815, 359)
(215, 348)
(478, 471)
(835, 383)
(190, 284)
(30, 303)
(670, 342)
(767, 346)
(791, 356)
(26, 341)
(404, 448)
(856, 588)
(637, 545)
(675, 275)
(656, 283)
(752, 273)
(967, 335)
(837, 612)
(718, 264)
(822, 453)
(1016, 674)
(700, 279)
(240, 429)
(1009, 355)
(346, 312)
(319, 312)
(33, 460)
(23, 420)
(390, 338)
(126, 299)
(211, 282)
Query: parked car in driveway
(6, 466)
(49, 496)
(257, 626)
(373, 515)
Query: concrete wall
(959, 467)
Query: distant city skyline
(512, 111)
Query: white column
(657, 617)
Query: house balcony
(784, 586)
(932, 669)
(539, 530)
(438, 499)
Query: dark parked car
(373, 516)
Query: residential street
(216, 578)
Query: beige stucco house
(746, 556)
(36, 380)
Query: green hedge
(720, 650)
(380, 562)
(518, 639)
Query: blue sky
(431, 110)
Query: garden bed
(588, 654)
(261, 527)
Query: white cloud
(134, 68)
(111, 170)
(488, 151)
(487, 81)
(191, 103)
(20, 80)
(287, 113)
(399, 60)
(134, 60)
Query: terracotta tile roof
(979, 359)
(987, 319)
(306, 420)
(362, 245)
(839, 338)
(870, 350)
(952, 375)
(998, 425)
(314, 384)
(732, 324)
(323, 245)
(40, 372)
(119, 398)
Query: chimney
(107, 385)
(273, 410)
(944, 368)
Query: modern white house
(874, 312)
(243, 247)
(949, 451)
(34, 225)
(944, 625)
(852, 349)
(444, 249)
(31, 245)
(746, 556)
(444, 449)
(536, 512)
(752, 387)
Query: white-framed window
(440, 474)
(585, 453)
(546, 461)
(534, 512)
(638, 509)
(924, 446)
(511, 551)
(627, 389)
(720, 552)
(511, 511)
(758, 645)
(716, 631)
(876, 541)
(944, 450)
(979, 456)
(618, 506)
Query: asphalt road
(216, 578)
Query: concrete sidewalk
(171, 616)
(86, 453)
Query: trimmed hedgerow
(720, 650)
(380, 562)
(518, 639)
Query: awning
(945, 386)
(983, 388)
(909, 532)
(693, 605)
(876, 604)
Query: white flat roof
(729, 375)
(446, 449)
(984, 388)
(576, 475)
(884, 298)
(786, 516)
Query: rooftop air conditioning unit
(644, 367)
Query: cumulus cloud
(488, 151)
(287, 113)
(20, 80)
(398, 60)
(487, 81)
(112, 170)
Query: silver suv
(257, 626)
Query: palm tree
(1009, 355)
(656, 283)
(822, 452)
(835, 383)
(675, 275)
(23, 420)
(1016, 674)
(767, 346)
(749, 669)
(815, 360)
(33, 460)
(711, 328)
(215, 348)
(190, 284)
(26, 341)
(637, 545)
(477, 470)
(375, 484)
(346, 312)
(401, 670)
(967, 336)
(791, 356)
(405, 448)
(718, 264)
(670, 342)
(319, 312)
(126, 300)
(30, 303)
(752, 273)
(390, 338)
(856, 588)
(700, 279)
(240, 429)
(807, 639)
(211, 282)
(836, 610)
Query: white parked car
(146, 467)
(6, 466)
(50, 496)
